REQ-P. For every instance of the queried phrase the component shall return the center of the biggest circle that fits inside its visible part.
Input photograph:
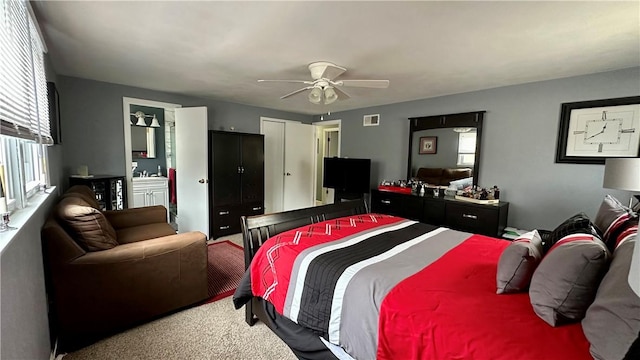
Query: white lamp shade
(154, 122)
(330, 95)
(622, 174)
(141, 121)
(315, 96)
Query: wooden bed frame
(257, 229)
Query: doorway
(328, 140)
(165, 149)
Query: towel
(172, 186)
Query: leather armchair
(152, 271)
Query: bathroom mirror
(143, 142)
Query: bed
(335, 281)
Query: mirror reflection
(143, 142)
(445, 149)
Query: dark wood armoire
(236, 179)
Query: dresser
(236, 171)
(150, 191)
(460, 215)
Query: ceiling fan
(324, 88)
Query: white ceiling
(426, 49)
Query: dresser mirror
(450, 142)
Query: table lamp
(624, 174)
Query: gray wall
(24, 323)
(92, 124)
(518, 143)
(25, 326)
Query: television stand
(341, 196)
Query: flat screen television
(347, 175)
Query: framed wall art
(592, 131)
(428, 145)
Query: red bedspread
(450, 310)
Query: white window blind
(23, 90)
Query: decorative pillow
(612, 322)
(623, 231)
(518, 262)
(610, 217)
(565, 283)
(88, 226)
(577, 224)
(461, 183)
(85, 193)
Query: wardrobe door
(225, 162)
(253, 168)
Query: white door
(192, 188)
(274, 165)
(299, 171)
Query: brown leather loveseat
(442, 176)
(107, 271)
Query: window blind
(22, 112)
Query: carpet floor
(211, 331)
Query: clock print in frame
(428, 145)
(591, 131)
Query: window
(467, 148)
(24, 108)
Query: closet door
(226, 165)
(253, 169)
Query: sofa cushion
(565, 283)
(87, 225)
(430, 175)
(144, 232)
(85, 193)
(612, 322)
(518, 262)
(449, 175)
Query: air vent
(371, 120)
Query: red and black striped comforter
(384, 287)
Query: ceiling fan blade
(379, 84)
(332, 71)
(295, 92)
(341, 94)
(289, 81)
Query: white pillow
(461, 183)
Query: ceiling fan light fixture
(462, 129)
(315, 96)
(330, 95)
(154, 122)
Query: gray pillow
(612, 322)
(611, 215)
(517, 263)
(565, 283)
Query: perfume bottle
(159, 171)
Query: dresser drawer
(386, 203)
(474, 219)
(226, 220)
(253, 209)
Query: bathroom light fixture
(141, 119)
(154, 121)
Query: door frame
(322, 125)
(126, 103)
